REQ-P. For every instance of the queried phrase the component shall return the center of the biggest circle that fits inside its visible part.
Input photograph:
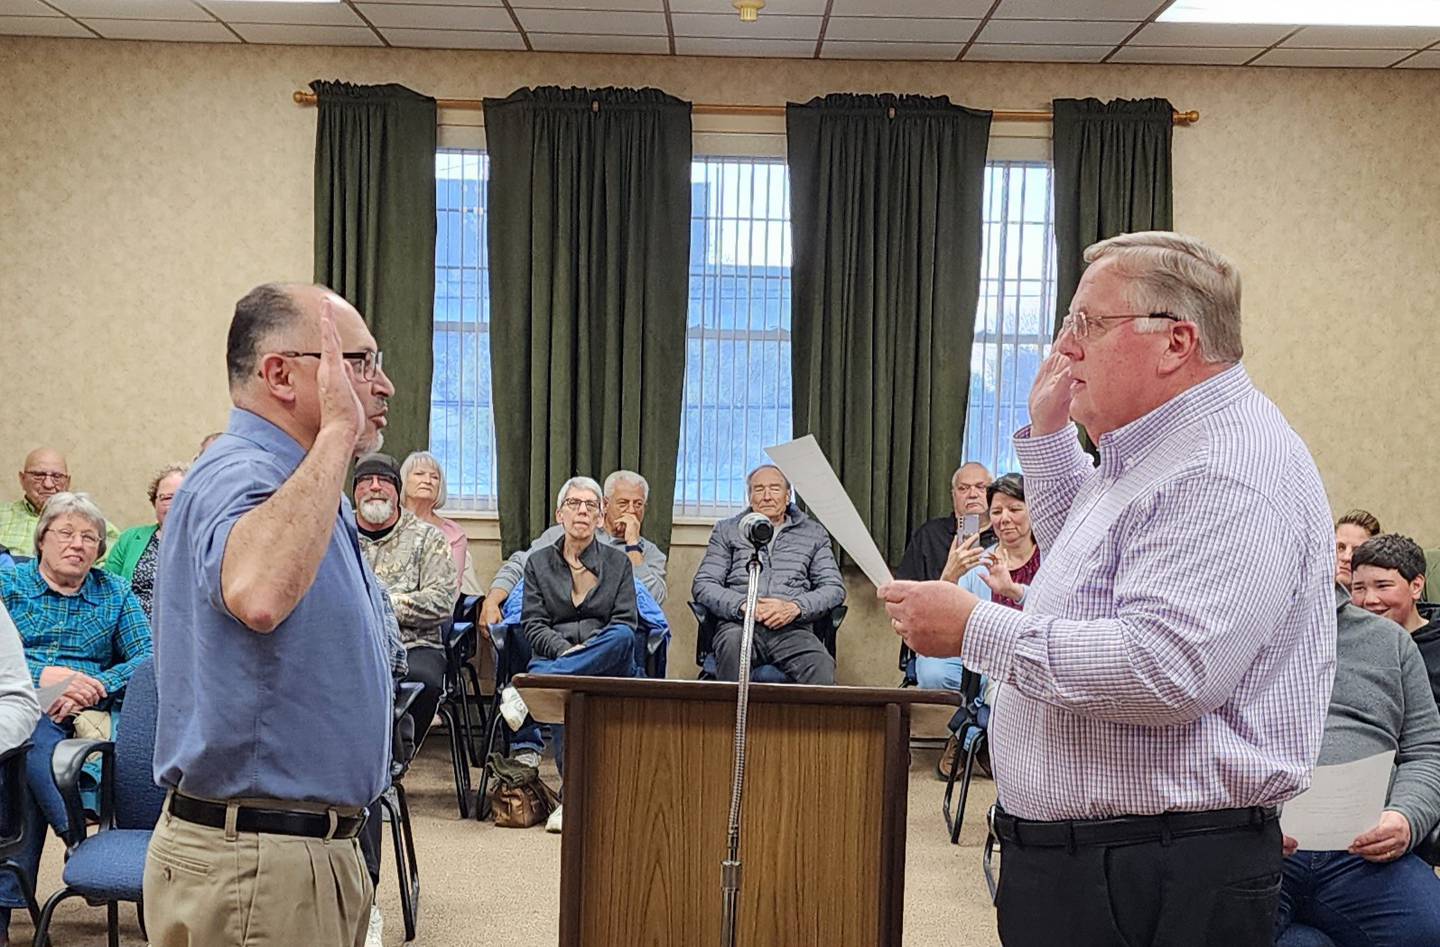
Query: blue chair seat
(110, 865)
(760, 674)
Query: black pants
(427, 668)
(370, 841)
(793, 649)
(1217, 889)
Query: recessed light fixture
(1306, 12)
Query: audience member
(273, 663)
(423, 492)
(413, 562)
(1377, 892)
(134, 554)
(43, 475)
(1351, 530)
(206, 442)
(938, 549)
(799, 585)
(579, 615)
(80, 626)
(1389, 579)
(19, 711)
(626, 493)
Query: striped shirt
(1177, 648)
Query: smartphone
(969, 525)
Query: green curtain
(885, 197)
(375, 232)
(589, 201)
(1112, 176)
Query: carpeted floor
(945, 898)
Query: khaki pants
(208, 887)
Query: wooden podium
(647, 793)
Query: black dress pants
(793, 649)
(1220, 888)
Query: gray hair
(751, 475)
(261, 313)
(64, 504)
(630, 477)
(415, 459)
(969, 463)
(1170, 272)
(579, 483)
(153, 490)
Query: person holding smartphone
(948, 546)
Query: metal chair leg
(482, 795)
(458, 762)
(970, 755)
(112, 922)
(42, 924)
(407, 868)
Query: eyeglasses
(575, 503)
(769, 490)
(67, 536)
(964, 487)
(1080, 324)
(48, 476)
(370, 363)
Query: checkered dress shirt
(1177, 648)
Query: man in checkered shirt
(1166, 685)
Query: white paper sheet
(1343, 801)
(804, 465)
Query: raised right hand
(963, 557)
(340, 407)
(1050, 396)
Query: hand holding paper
(1344, 802)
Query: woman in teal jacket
(134, 553)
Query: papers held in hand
(1343, 801)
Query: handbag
(519, 798)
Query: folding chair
(397, 811)
(968, 725)
(12, 823)
(825, 629)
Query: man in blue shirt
(271, 653)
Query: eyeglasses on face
(977, 487)
(575, 503)
(66, 535)
(1082, 325)
(48, 476)
(367, 363)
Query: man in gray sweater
(1377, 892)
(799, 584)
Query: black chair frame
(17, 798)
(972, 739)
(397, 810)
(826, 628)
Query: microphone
(756, 529)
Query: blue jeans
(942, 674)
(45, 806)
(1335, 899)
(610, 652)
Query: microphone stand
(730, 867)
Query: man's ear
(1417, 588)
(1181, 348)
(277, 375)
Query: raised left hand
(997, 574)
(1389, 840)
(930, 616)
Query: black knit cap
(377, 465)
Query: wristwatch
(633, 548)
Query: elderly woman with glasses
(82, 630)
(422, 492)
(135, 553)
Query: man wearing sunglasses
(43, 475)
(1165, 688)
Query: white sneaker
(375, 936)
(553, 824)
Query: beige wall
(146, 186)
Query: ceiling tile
(1057, 32)
(311, 14)
(798, 7)
(1210, 34)
(974, 9)
(580, 43)
(911, 29)
(1134, 10)
(1429, 59)
(1188, 55)
(437, 17)
(646, 6)
(290, 35)
(843, 49)
(175, 31)
(42, 26)
(767, 27)
(592, 23)
(453, 3)
(26, 8)
(134, 9)
(1358, 58)
(1365, 37)
(713, 46)
(453, 39)
(1008, 52)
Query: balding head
(43, 475)
(262, 316)
(967, 490)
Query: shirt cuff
(1051, 455)
(990, 639)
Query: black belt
(1079, 833)
(266, 821)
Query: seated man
(81, 627)
(626, 494)
(43, 475)
(1377, 892)
(412, 560)
(1388, 578)
(799, 584)
(935, 548)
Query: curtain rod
(710, 108)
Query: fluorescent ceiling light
(1306, 12)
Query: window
(462, 416)
(737, 366)
(1017, 309)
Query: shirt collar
(1126, 442)
(589, 556)
(33, 585)
(249, 426)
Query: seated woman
(422, 492)
(134, 555)
(83, 630)
(1351, 530)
